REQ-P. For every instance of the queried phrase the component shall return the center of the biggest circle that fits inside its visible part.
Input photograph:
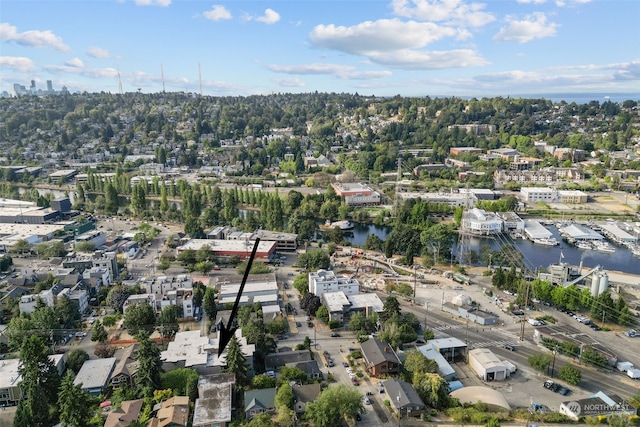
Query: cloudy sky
(382, 48)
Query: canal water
(536, 256)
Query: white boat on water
(344, 225)
(547, 241)
(584, 245)
(604, 247)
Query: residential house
(259, 402)
(173, 412)
(128, 412)
(126, 368)
(380, 358)
(310, 367)
(215, 400)
(303, 395)
(404, 398)
(275, 360)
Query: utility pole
(524, 318)
(466, 337)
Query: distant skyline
(383, 48)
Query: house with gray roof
(126, 368)
(304, 394)
(259, 401)
(275, 360)
(404, 398)
(215, 400)
(95, 374)
(380, 358)
(310, 367)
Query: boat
(344, 225)
(584, 245)
(547, 241)
(604, 247)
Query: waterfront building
(478, 221)
(357, 194)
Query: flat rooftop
(95, 373)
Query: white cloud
(379, 36)
(562, 3)
(96, 52)
(17, 63)
(532, 27)
(310, 69)
(621, 70)
(345, 72)
(532, 1)
(429, 60)
(457, 12)
(217, 13)
(292, 82)
(82, 71)
(161, 3)
(32, 38)
(75, 62)
(270, 17)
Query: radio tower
(162, 74)
(119, 81)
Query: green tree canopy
(139, 317)
(334, 405)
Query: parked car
(509, 347)
(335, 335)
(298, 324)
(310, 324)
(345, 364)
(367, 401)
(358, 417)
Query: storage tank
(604, 282)
(595, 284)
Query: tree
(139, 317)
(118, 295)
(570, 374)
(104, 350)
(288, 373)
(168, 322)
(67, 312)
(20, 247)
(40, 381)
(178, 379)
(284, 396)
(391, 307)
(539, 361)
(76, 358)
(149, 364)
(333, 405)
(99, 333)
(261, 420)
(432, 389)
(262, 381)
(417, 362)
(301, 283)
(323, 313)
(75, 404)
(209, 303)
(236, 361)
(310, 303)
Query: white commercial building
(481, 222)
(322, 281)
(487, 365)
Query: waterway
(535, 256)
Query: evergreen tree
(98, 333)
(209, 303)
(149, 365)
(40, 381)
(236, 361)
(74, 404)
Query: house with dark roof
(126, 367)
(259, 401)
(310, 367)
(275, 360)
(304, 394)
(380, 358)
(404, 398)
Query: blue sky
(382, 48)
